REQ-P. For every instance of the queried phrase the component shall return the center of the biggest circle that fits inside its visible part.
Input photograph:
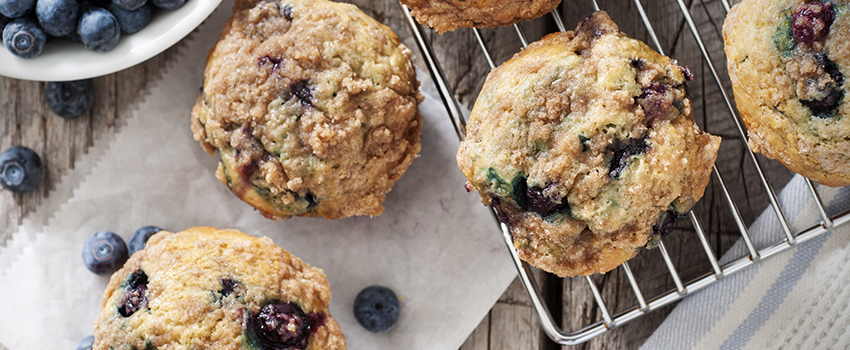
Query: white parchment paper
(435, 244)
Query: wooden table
(511, 324)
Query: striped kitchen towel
(795, 300)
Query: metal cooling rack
(683, 289)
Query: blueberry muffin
(787, 60)
(585, 145)
(448, 15)
(312, 106)
(206, 288)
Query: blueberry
(301, 89)
(24, 38)
(16, 8)
(656, 102)
(104, 252)
(129, 5)
(665, 222)
(131, 21)
(229, 286)
(281, 325)
(85, 343)
(542, 204)
(811, 23)
(140, 237)
(623, 151)
(312, 201)
(69, 99)
(57, 17)
(828, 104)
(168, 4)
(98, 30)
(286, 10)
(135, 295)
(20, 169)
(376, 308)
(74, 36)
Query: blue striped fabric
(706, 318)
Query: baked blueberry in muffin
(448, 15)
(312, 107)
(586, 146)
(205, 288)
(787, 61)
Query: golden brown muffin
(312, 106)
(585, 145)
(787, 60)
(448, 15)
(206, 288)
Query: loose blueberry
(131, 21)
(57, 17)
(811, 23)
(69, 99)
(85, 343)
(140, 237)
(376, 308)
(168, 4)
(99, 30)
(24, 38)
(301, 89)
(282, 326)
(16, 8)
(129, 5)
(20, 169)
(75, 37)
(135, 297)
(622, 154)
(104, 252)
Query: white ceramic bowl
(63, 59)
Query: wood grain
(512, 323)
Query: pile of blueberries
(97, 24)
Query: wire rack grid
(683, 289)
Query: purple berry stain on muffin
(283, 326)
(622, 154)
(134, 298)
(301, 89)
(811, 22)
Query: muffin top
(585, 144)
(787, 61)
(312, 106)
(448, 15)
(216, 289)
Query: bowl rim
(64, 60)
